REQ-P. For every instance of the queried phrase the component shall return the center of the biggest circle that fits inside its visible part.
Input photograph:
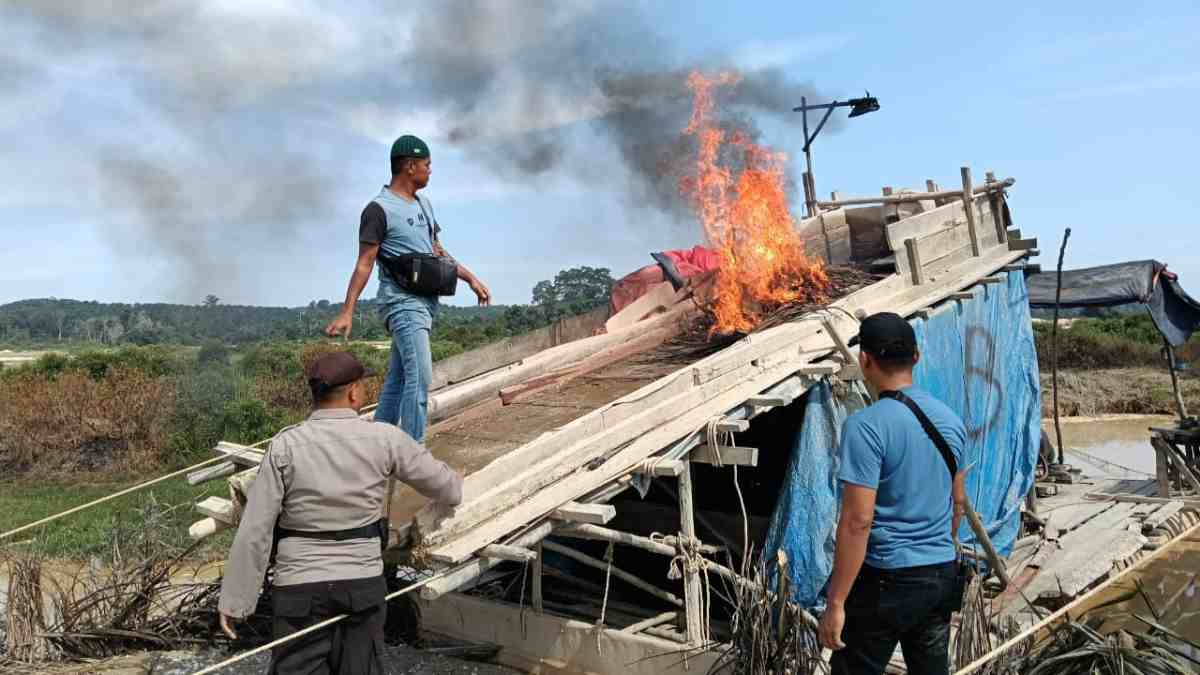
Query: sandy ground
(1143, 391)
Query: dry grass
(1143, 391)
(74, 423)
(138, 602)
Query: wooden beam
(732, 426)
(222, 470)
(1019, 267)
(595, 514)
(538, 602)
(1192, 503)
(240, 454)
(1022, 244)
(916, 196)
(916, 274)
(725, 455)
(666, 468)
(662, 546)
(221, 509)
(968, 197)
(617, 572)
(653, 621)
(962, 295)
(691, 578)
(509, 553)
(470, 570)
(206, 528)
(997, 279)
(763, 401)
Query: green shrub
(1087, 348)
(197, 419)
(153, 360)
(49, 365)
(213, 352)
(444, 349)
(272, 359)
(249, 420)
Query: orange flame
(744, 210)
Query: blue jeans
(404, 400)
(908, 606)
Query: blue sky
(266, 125)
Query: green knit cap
(410, 146)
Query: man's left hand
(481, 292)
(830, 628)
(227, 626)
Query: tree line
(53, 322)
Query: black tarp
(1175, 313)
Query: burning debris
(738, 191)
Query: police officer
(316, 504)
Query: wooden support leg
(691, 577)
(1162, 471)
(537, 580)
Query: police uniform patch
(411, 223)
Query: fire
(737, 190)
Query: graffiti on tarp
(980, 366)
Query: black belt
(369, 531)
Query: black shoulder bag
(963, 571)
(422, 273)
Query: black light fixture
(864, 105)
(858, 106)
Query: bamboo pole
(1054, 347)
(538, 604)
(916, 196)
(597, 533)
(650, 623)
(617, 572)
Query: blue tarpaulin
(978, 357)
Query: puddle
(1110, 447)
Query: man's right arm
(371, 231)
(413, 464)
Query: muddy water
(1116, 446)
(1119, 447)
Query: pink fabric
(688, 262)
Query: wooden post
(968, 197)
(997, 205)
(691, 578)
(914, 261)
(537, 580)
(981, 535)
(835, 196)
(810, 199)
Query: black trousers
(909, 606)
(351, 646)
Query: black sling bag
(963, 571)
(422, 273)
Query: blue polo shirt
(399, 227)
(885, 448)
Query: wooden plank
(656, 298)
(221, 509)
(1022, 244)
(888, 198)
(240, 454)
(915, 267)
(732, 426)
(595, 514)
(222, 470)
(761, 401)
(206, 528)
(538, 601)
(509, 553)
(1165, 512)
(1088, 553)
(725, 455)
(471, 569)
(997, 279)
(666, 468)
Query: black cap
(333, 370)
(887, 335)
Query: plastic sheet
(978, 357)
